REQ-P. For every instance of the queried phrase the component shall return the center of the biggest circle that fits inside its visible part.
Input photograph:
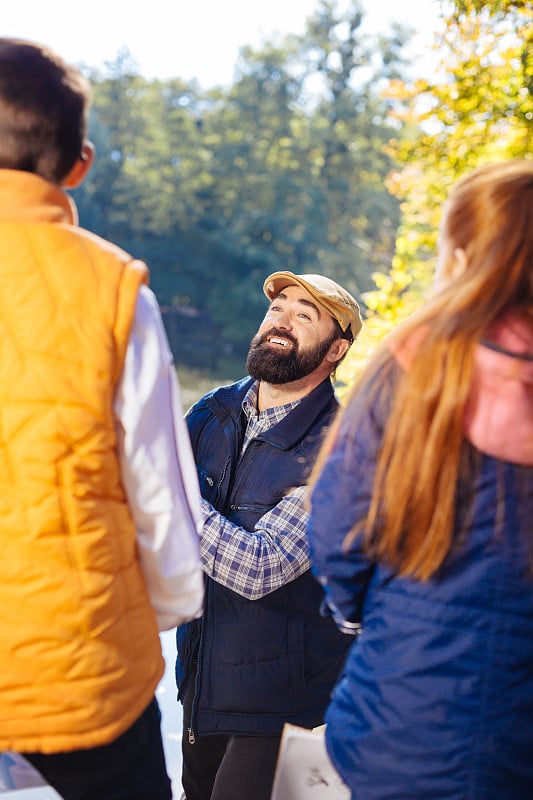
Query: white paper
(304, 770)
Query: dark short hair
(340, 334)
(43, 110)
(347, 334)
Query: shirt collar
(249, 405)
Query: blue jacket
(258, 663)
(436, 700)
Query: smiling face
(296, 339)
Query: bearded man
(262, 654)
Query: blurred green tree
(285, 168)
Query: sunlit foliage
(477, 107)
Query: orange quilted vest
(81, 655)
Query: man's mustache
(280, 334)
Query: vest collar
(25, 197)
(296, 425)
(227, 400)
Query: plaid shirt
(255, 563)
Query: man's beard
(274, 365)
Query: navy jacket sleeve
(339, 500)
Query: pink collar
(499, 415)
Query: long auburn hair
(410, 522)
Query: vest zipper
(191, 729)
(194, 704)
(219, 485)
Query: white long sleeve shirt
(158, 470)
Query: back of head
(489, 216)
(43, 110)
(485, 271)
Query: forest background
(323, 155)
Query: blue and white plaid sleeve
(255, 563)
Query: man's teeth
(282, 342)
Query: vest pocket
(264, 670)
(207, 485)
(297, 654)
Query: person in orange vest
(100, 505)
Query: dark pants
(130, 768)
(227, 767)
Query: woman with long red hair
(422, 523)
